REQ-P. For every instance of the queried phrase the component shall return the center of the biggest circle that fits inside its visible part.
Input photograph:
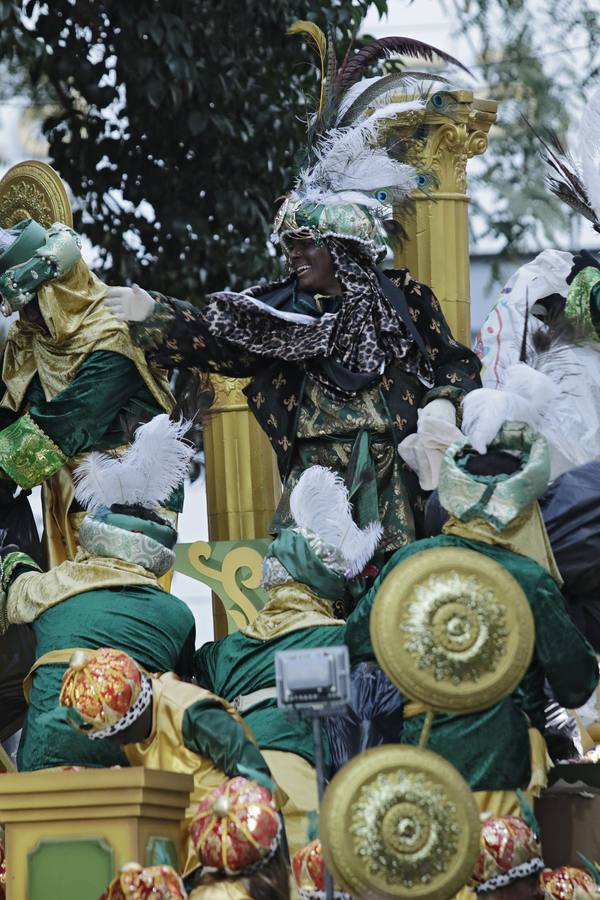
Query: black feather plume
(353, 69)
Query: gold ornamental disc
(33, 190)
(452, 629)
(399, 822)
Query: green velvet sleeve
(210, 731)
(567, 659)
(78, 417)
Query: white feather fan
(145, 475)
(319, 503)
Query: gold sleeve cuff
(27, 454)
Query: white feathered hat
(144, 475)
(325, 545)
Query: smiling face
(313, 266)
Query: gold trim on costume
(27, 454)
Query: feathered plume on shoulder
(145, 475)
(319, 503)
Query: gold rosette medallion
(33, 190)
(397, 821)
(453, 630)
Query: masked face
(313, 266)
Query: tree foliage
(174, 122)
(538, 59)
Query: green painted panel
(232, 569)
(160, 851)
(78, 869)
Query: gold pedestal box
(68, 833)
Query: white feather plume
(146, 474)
(347, 159)
(319, 503)
(589, 149)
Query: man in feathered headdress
(109, 594)
(70, 374)
(161, 723)
(540, 344)
(345, 360)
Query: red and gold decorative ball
(568, 883)
(506, 842)
(308, 867)
(236, 826)
(152, 883)
(101, 685)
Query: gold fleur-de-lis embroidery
(259, 399)
(433, 352)
(415, 288)
(414, 313)
(290, 402)
(172, 344)
(198, 342)
(272, 421)
(453, 377)
(188, 315)
(400, 422)
(387, 383)
(434, 325)
(408, 397)
(176, 357)
(435, 303)
(278, 381)
(283, 442)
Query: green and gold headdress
(351, 182)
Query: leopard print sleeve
(176, 336)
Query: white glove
(440, 409)
(485, 411)
(129, 304)
(527, 396)
(424, 449)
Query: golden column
(437, 249)
(242, 480)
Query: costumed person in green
(161, 723)
(306, 573)
(109, 594)
(452, 613)
(70, 374)
(345, 360)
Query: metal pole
(321, 789)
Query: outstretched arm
(175, 334)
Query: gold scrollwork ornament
(452, 629)
(33, 190)
(399, 822)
